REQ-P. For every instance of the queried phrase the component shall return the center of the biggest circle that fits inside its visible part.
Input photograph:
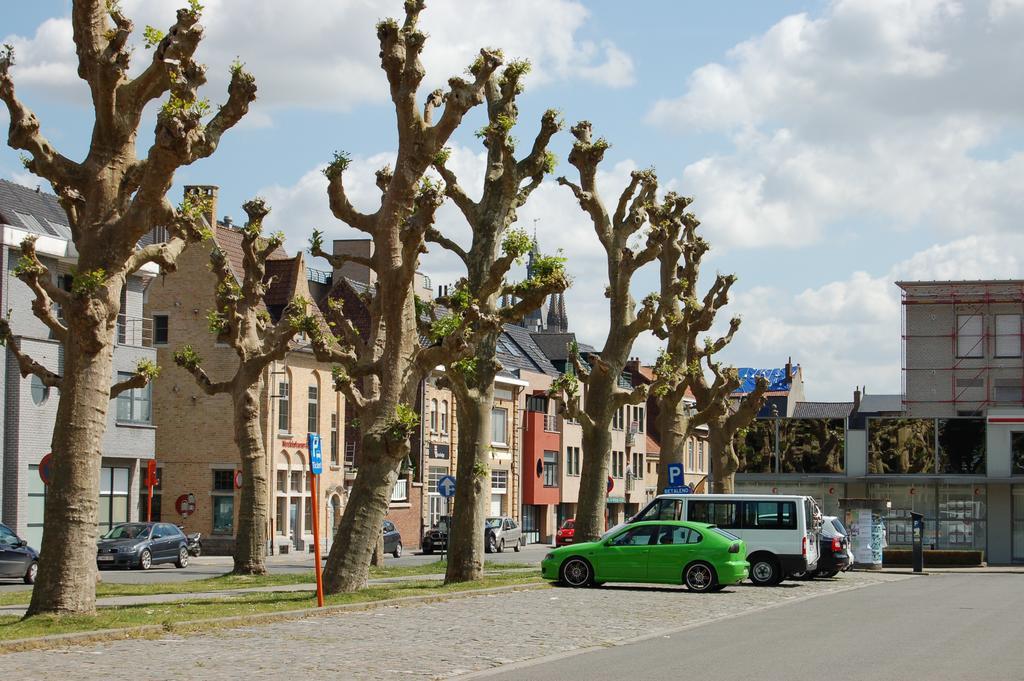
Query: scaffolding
(979, 350)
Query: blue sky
(831, 147)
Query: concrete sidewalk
(978, 570)
(153, 599)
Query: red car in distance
(565, 533)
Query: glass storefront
(1018, 523)
(826, 494)
(955, 516)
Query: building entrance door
(293, 521)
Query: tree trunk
(592, 505)
(349, 560)
(66, 582)
(377, 559)
(466, 536)
(672, 424)
(724, 461)
(254, 499)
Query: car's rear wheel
(765, 570)
(397, 553)
(30, 574)
(718, 587)
(699, 577)
(576, 572)
(829, 574)
(518, 545)
(182, 561)
(145, 560)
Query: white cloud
(324, 55)
(875, 112)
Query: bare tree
(380, 374)
(478, 299)
(240, 319)
(686, 319)
(112, 199)
(602, 395)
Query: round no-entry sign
(185, 505)
(238, 479)
(46, 469)
(611, 483)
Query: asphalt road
(935, 627)
(213, 566)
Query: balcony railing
(401, 490)
(350, 454)
(551, 423)
(137, 331)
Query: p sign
(316, 460)
(675, 474)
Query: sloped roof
(652, 445)
(229, 240)
(531, 357)
(822, 410)
(881, 403)
(33, 210)
(555, 346)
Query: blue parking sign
(316, 459)
(675, 474)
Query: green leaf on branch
(84, 284)
(466, 366)
(516, 244)
(152, 36)
(338, 165)
(442, 156)
(481, 471)
(147, 368)
(188, 358)
(217, 322)
(444, 327)
(402, 423)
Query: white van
(780, 531)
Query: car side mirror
(21, 544)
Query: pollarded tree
(602, 395)
(380, 374)
(240, 319)
(685, 321)
(478, 297)
(112, 199)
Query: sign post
(917, 522)
(446, 488)
(151, 482)
(316, 467)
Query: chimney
(208, 194)
(227, 221)
(856, 400)
(789, 371)
(352, 270)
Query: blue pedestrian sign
(675, 474)
(446, 486)
(316, 459)
(682, 489)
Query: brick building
(29, 408)
(196, 453)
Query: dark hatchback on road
(142, 545)
(18, 560)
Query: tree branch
(37, 277)
(26, 365)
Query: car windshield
(840, 528)
(442, 524)
(129, 531)
(728, 535)
(567, 525)
(493, 523)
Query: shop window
(113, 497)
(755, 446)
(962, 446)
(135, 405)
(1017, 452)
(812, 445)
(901, 446)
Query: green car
(701, 556)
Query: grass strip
(228, 582)
(189, 615)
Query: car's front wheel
(145, 560)
(501, 546)
(700, 577)
(30, 574)
(397, 553)
(492, 545)
(576, 572)
(182, 561)
(428, 548)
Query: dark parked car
(392, 539)
(834, 555)
(436, 538)
(17, 559)
(142, 545)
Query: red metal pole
(316, 542)
(149, 502)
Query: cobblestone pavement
(428, 641)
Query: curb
(151, 630)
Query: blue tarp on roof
(776, 379)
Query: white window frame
(503, 418)
(1008, 335)
(968, 340)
